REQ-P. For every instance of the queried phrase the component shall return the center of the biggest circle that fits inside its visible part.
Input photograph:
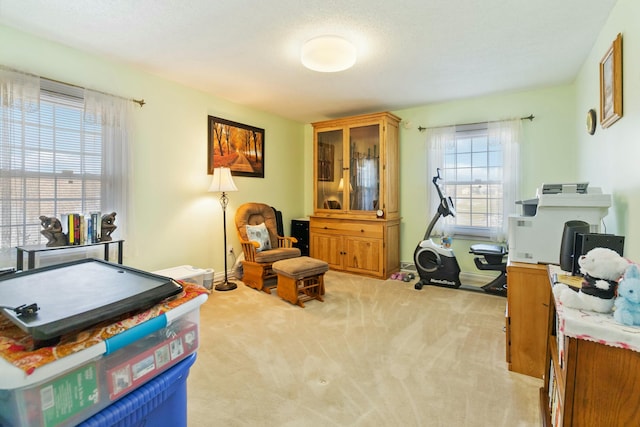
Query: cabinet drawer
(347, 228)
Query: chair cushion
(300, 267)
(254, 214)
(277, 254)
(258, 233)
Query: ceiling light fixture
(328, 54)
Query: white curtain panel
(437, 141)
(19, 90)
(26, 162)
(508, 133)
(20, 98)
(114, 115)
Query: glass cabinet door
(329, 170)
(364, 168)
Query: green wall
(548, 142)
(556, 146)
(611, 157)
(176, 221)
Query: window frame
(45, 137)
(453, 185)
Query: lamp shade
(328, 54)
(341, 185)
(222, 181)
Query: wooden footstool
(300, 279)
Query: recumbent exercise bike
(437, 265)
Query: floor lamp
(223, 182)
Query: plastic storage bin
(190, 274)
(160, 402)
(72, 389)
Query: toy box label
(69, 395)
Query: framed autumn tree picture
(236, 146)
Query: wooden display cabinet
(356, 221)
(357, 246)
(527, 318)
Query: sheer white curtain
(437, 141)
(113, 114)
(31, 167)
(365, 192)
(507, 133)
(18, 91)
(19, 105)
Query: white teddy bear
(602, 268)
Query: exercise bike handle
(446, 207)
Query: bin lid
(181, 272)
(75, 295)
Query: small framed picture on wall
(611, 84)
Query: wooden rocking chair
(258, 259)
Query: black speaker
(584, 242)
(300, 230)
(571, 228)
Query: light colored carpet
(374, 353)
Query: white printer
(535, 236)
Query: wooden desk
(527, 317)
(588, 383)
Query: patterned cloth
(592, 326)
(16, 346)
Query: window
(472, 174)
(56, 165)
(478, 166)
(63, 149)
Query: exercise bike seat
(493, 255)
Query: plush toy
(602, 268)
(627, 303)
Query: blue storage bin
(160, 402)
(72, 389)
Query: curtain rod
(140, 102)
(530, 117)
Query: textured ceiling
(411, 52)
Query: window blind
(54, 160)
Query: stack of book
(82, 229)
